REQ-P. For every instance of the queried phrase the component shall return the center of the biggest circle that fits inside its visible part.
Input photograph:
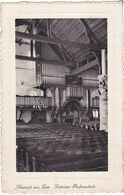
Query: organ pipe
(53, 74)
(74, 91)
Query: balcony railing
(73, 80)
(30, 101)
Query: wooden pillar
(48, 116)
(17, 158)
(22, 160)
(60, 96)
(31, 48)
(57, 97)
(89, 97)
(63, 96)
(53, 96)
(27, 162)
(44, 92)
(103, 95)
(103, 61)
(33, 164)
(103, 112)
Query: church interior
(61, 95)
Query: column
(27, 162)
(103, 61)
(103, 94)
(89, 99)
(33, 164)
(48, 116)
(63, 95)
(60, 96)
(57, 97)
(53, 95)
(103, 112)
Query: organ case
(50, 74)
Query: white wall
(25, 72)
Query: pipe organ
(74, 91)
(53, 74)
(50, 74)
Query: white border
(104, 181)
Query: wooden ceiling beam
(89, 31)
(55, 41)
(51, 21)
(64, 50)
(53, 62)
(55, 48)
(85, 67)
(63, 55)
(48, 28)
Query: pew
(60, 147)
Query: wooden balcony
(30, 101)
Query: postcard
(62, 97)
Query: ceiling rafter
(91, 34)
(63, 55)
(64, 50)
(53, 47)
(48, 28)
(54, 41)
(97, 50)
(85, 67)
(61, 50)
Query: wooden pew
(59, 147)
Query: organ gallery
(61, 95)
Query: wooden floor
(60, 147)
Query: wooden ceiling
(83, 31)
